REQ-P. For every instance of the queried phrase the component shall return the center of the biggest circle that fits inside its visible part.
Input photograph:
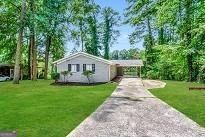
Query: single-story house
(104, 70)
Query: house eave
(82, 54)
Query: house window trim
(91, 67)
(76, 69)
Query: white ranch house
(104, 70)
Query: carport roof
(6, 65)
(128, 63)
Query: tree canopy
(34, 32)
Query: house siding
(101, 70)
(113, 71)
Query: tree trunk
(33, 43)
(48, 45)
(150, 31)
(81, 35)
(31, 58)
(106, 37)
(161, 36)
(190, 66)
(19, 44)
(34, 61)
(188, 36)
(161, 31)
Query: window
(74, 67)
(90, 67)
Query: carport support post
(140, 71)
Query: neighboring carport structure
(7, 69)
(125, 64)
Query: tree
(85, 26)
(9, 18)
(19, 44)
(115, 55)
(33, 47)
(132, 53)
(140, 14)
(54, 19)
(188, 36)
(109, 34)
(123, 54)
(92, 45)
(184, 17)
(79, 20)
(149, 52)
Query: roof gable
(82, 54)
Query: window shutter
(93, 67)
(69, 67)
(84, 67)
(78, 67)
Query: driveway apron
(132, 111)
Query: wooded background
(33, 34)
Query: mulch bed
(75, 84)
(117, 79)
(196, 88)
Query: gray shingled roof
(128, 63)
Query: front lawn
(191, 103)
(38, 109)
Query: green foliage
(65, 74)
(88, 74)
(139, 14)
(92, 45)
(132, 53)
(178, 28)
(55, 76)
(170, 63)
(85, 25)
(111, 19)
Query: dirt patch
(117, 79)
(150, 84)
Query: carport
(129, 68)
(7, 69)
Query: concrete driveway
(132, 111)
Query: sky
(125, 30)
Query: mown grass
(38, 109)
(191, 103)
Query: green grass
(131, 73)
(190, 103)
(38, 109)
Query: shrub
(66, 73)
(88, 74)
(55, 76)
